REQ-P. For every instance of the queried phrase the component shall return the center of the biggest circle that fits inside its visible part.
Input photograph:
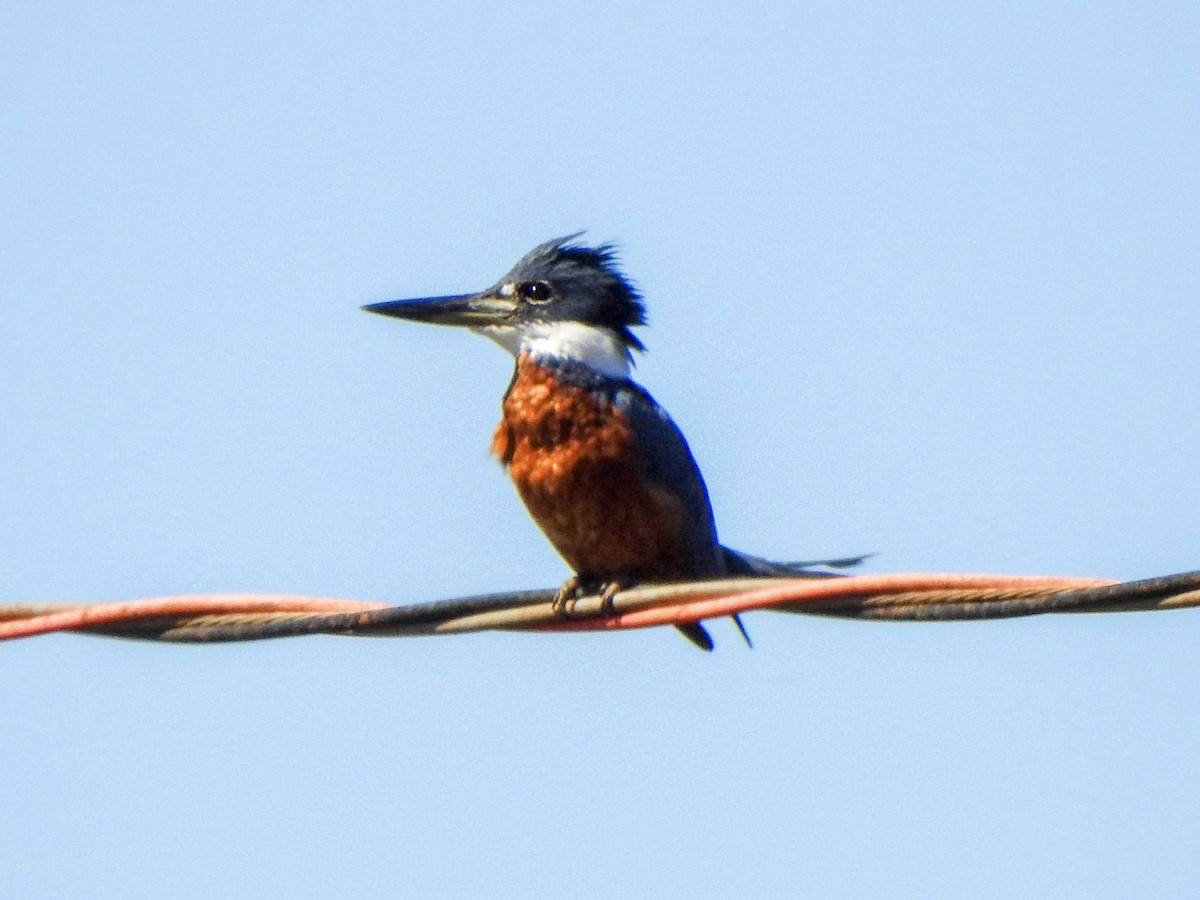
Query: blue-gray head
(561, 300)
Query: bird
(601, 467)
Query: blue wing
(668, 464)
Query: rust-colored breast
(573, 459)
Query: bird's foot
(570, 591)
(608, 593)
(577, 587)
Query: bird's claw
(608, 594)
(576, 588)
(564, 601)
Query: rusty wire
(211, 618)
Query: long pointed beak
(470, 310)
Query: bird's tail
(697, 634)
(743, 565)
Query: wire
(213, 618)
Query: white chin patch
(596, 348)
(504, 335)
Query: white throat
(599, 349)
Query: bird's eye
(535, 291)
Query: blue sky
(922, 281)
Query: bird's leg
(577, 587)
(609, 590)
(571, 590)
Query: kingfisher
(603, 470)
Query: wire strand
(925, 597)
